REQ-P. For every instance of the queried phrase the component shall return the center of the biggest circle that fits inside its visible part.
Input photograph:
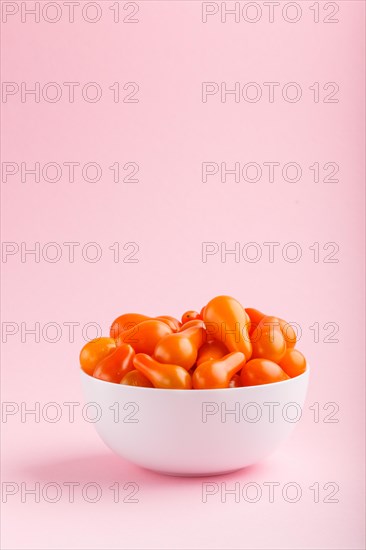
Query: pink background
(169, 213)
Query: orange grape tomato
(287, 330)
(171, 321)
(235, 382)
(180, 348)
(293, 363)
(190, 316)
(289, 333)
(115, 365)
(261, 371)
(211, 350)
(136, 378)
(125, 322)
(268, 342)
(94, 351)
(193, 323)
(217, 373)
(162, 375)
(226, 320)
(255, 317)
(144, 336)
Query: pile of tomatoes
(223, 346)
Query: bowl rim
(202, 391)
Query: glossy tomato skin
(162, 375)
(191, 324)
(136, 378)
(115, 365)
(190, 315)
(180, 348)
(144, 337)
(174, 324)
(211, 350)
(255, 317)
(227, 321)
(288, 332)
(125, 322)
(128, 321)
(261, 371)
(268, 342)
(94, 351)
(217, 373)
(293, 363)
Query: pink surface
(169, 213)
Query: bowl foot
(203, 474)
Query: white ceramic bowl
(195, 432)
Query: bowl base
(203, 474)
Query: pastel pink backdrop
(169, 213)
